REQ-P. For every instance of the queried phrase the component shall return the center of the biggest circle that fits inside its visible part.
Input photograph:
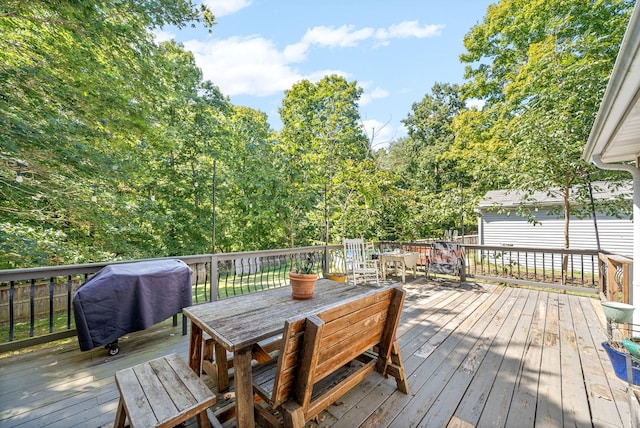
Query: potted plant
(620, 352)
(303, 278)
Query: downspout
(635, 275)
(593, 212)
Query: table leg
(222, 367)
(244, 388)
(195, 349)
(384, 269)
(404, 270)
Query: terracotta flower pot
(302, 285)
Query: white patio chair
(358, 264)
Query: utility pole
(213, 210)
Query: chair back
(339, 335)
(314, 347)
(358, 262)
(354, 252)
(288, 361)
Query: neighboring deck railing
(36, 303)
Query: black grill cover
(124, 298)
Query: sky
(395, 50)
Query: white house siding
(616, 235)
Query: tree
(424, 162)
(78, 103)
(371, 203)
(320, 132)
(541, 68)
(251, 191)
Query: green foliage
(320, 134)
(126, 153)
(251, 192)
(427, 168)
(305, 266)
(541, 68)
(84, 121)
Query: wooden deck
(475, 354)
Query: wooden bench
(356, 338)
(162, 393)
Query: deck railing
(36, 303)
(615, 278)
(571, 270)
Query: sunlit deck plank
(549, 406)
(523, 404)
(479, 345)
(473, 354)
(469, 407)
(575, 406)
(412, 333)
(415, 352)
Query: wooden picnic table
(238, 324)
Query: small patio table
(239, 323)
(407, 259)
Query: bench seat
(162, 393)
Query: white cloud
(475, 103)
(376, 94)
(250, 66)
(226, 7)
(343, 36)
(317, 75)
(347, 36)
(411, 29)
(244, 65)
(253, 65)
(296, 52)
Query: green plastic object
(617, 312)
(632, 346)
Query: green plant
(304, 265)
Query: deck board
(471, 405)
(574, 396)
(447, 399)
(523, 403)
(474, 354)
(504, 351)
(549, 407)
(605, 390)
